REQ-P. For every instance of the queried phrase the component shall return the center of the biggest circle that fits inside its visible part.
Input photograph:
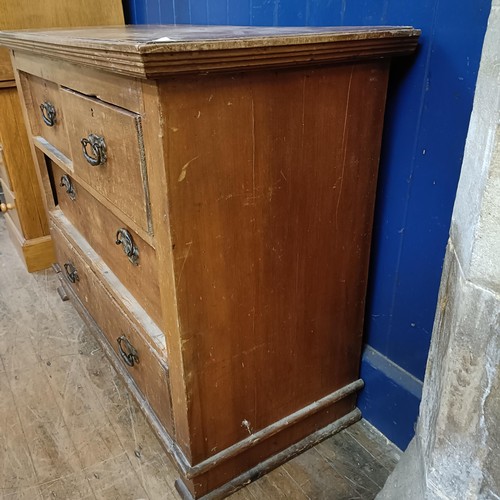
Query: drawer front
(99, 227)
(47, 115)
(111, 157)
(150, 372)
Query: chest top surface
(155, 51)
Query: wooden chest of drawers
(211, 195)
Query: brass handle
(130, 355)
(123, 237)
(68, 185)
(71, 272)
(97, 154)
(48, 113)
(5, 207)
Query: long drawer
(100, 227)
(142, 361)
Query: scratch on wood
(344, 146)
(182, 175)
(132, 423)
(253, 149)
(188, 244)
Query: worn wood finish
(156, 156)
(269, 183)
(262, 186)
(155, 51)
(36, 253)
(151, 373)
(108, 87)
(4, 176)
(270, 464)
(140, 279)
(122, 179)
(18, 158)
(135, 312)
(221, 473)
(6, 72)
(23, 180)
(74, 390)
(45, 149)
(43, 91)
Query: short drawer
(102, 229)
(143, 363)
(107, 151)
(46, 110)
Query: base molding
(37, 253)
(275, 461)
(389, 389)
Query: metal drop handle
(48, 113)
(129, 353)
(68, 185)
(71, 272)
(123, 237)
(94, 149)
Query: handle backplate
(123, 237)
(127, 351)
(94, 149)
(48, 113)
(68, 185)
(71, 272)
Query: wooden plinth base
(36, 253)
(275, 461)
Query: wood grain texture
(45, 150)
(82, 389)
(108, 87)
(28, 14)
(262, 187)
(156, 51)
(6, 73)
(19, 166)
(157, 162)
(140, 279)
(36, 253)
(302, 434)
(13, 137)
(3, 170)
(271, 192)
(151, 373)
(122, 179)
(43, 91)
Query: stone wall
(456, 450)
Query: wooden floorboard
(70, 430)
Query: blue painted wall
(429, 103)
